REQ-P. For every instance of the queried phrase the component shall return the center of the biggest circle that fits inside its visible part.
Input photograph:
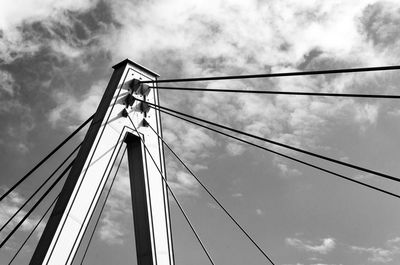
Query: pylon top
(127, 61)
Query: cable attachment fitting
(139, 88)
(134, 85)
(144, 106)
(124, 113)
(144, 89)
(129, 100)
(145, 123)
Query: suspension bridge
(128, 121)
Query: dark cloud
(380, 22)
(55, 65)
(69, 59)
(309, 57)
(79, 30)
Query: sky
(55, 62)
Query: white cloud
(112, 231)
(14, 14)
(7, 83)
(395, 112)
(362, 177)
(377, 254)
(366, 114)
(71, 111)
(381, 254)
(10, 206)
(326, 246)
(117, 213)
(180, 181)
(207, 41)
(313, 264)
(22, 148)
(259, 212)
(235, 149)
(286, 169)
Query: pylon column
(90, 172)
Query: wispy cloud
(12, 16)
(293, 120)
(235, 149)
(71, 110)
(208, 41)
(8, 207)
(196, 38)
(259, 212)
(381, 254)
(326, 245)
(180, 181)
(313, 264)
(113, 228)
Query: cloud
(118, 210)
(235, 149)
(363, 177)
(198, 38)
(380, 23)
(71, 109)
(12, 135)
(45, 54)
(366, 114)
(259, 212)
(286, 168)
(8, 207)
(207, 41)
(112, 231)
(313, 264)
(381, 254)
(7, 83)
(326, 246)
(36, 15)
(216, 44)
(13, 14)
(192, 145)
(180, 181)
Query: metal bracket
(129, 100)
(124, 113)
(144, 89)
(138, 88)
(134, 85)
(145, 123)
(144, 107)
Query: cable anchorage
(285, 156)
(278, 143)
(270, 75)
(272, 92)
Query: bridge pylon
(109, 131)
